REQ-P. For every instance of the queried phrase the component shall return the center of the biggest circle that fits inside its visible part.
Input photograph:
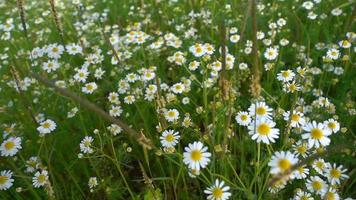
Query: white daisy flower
(169, 138)
(93, 182)
(296, 120)
(50, 66)
(46, 127)
(130, 99)
(86, 145)
(10, 146)
(197, 50)
(345, 44)
(263, 130)
(196, 156)
(260, 110)
(301, 173)
(317, 185)
(6, 180)
(178, 88)
(81, 75)
(89, 88)
(333, 54)
(285, 75)
(332, 125)
(218, 191)
(335, 173)
(243, 118)
(282, 161)
(115, 111)
(301, 148)
(319, 165)
(171, 115)
(271, 53)
(331, 195)
(55, 51)
(40, 178)
(317, 134)
(74, 49)
(234, 38)
(194, 65)
(301, 195)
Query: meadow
(177, 99)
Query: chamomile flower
(335, 174)
(333, 54)
(196, 156)
(319, 165)
(178, 88)
(6, 180)
(243, 118)
(171, 115)
(10, 146)
(296, 120)
(317, 185)
(89, 88)
(282, 161)
(55, 51)
(260, 110)
(301, 148)
(317, 134)
(302, 195)
(197, 50)
(40, 179)
(234, 38)
(74, 49)
(271, 53)
(86, 145)
(50, 66)
(332, 125)
(81, 75)
(331, 194)
(218, 191)
(46, 127)
(92, 183)
(129, 99)
(345, 44)
(285, 75)
(301, 172)
(115, 111)
(263, 130)
(169, 138)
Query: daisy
(345, 44)
(333, 54)
(335, 174)
(319, 166)
(263, 130)
(172, 115)
(331, 195)
(86, 145)
(285, 75)
(243, 118)
(55, 51)
(93, 182)
(301, 148)
(50, 66)
(6, 180)
(74, 49)
(296, 120)
(234, 38)
(32, 164)
(196, 156)
(316, 134)
(271, 53)
(169, 138)
(130, 99)
(40, 178)
(317, 185)
(193, 65)
(10, 146)
(197, 50)
(291, 87)
(46, 127)
(301, 173)
(332, 125)
(81, 75)
(260, 110)
(178, 88)
(89, 88)
(218, 191)
(301, 195)
(282, 162)
(115, 111)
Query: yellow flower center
(243, 117)
(335, 173)
(329, 196)
(169, 138)
(331, 125)
(9, 145)
(171, 114)
(41, 178)
(317, 133)
(295, 117)
(285, 74)
(196, 155)
(301, 170)
(89, 87)
(302, 149)
(317, 185)
(261, 111)
(46, 125)
(284, 164)
(263, 129)
(55, 50)
(217, 193)
(320, 165)
(3, 180)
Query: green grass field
(174, 99)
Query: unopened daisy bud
(96, 131)
(218, 148)
(19, 189)
(159, 152)
(128, 149)
(343, 130)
